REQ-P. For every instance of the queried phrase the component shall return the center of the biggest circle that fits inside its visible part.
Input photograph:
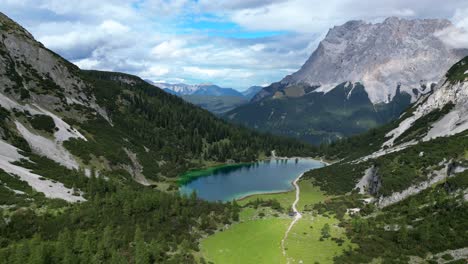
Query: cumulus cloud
(172, 48)
(78, 41)
(317, 15)
(456, 36)
(197, 41)
(155, 71)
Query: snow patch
(9, 154)
(352, 89)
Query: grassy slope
(256, 241)
(303, 243)
(309, 194)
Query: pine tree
(325, 231)
(141, 253)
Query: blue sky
(232, 43)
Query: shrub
(43, 122)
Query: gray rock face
(30, 73)
(382, 56)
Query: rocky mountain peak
(382, 56)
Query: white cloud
(87, 64)
(166, 39)
(169, 49)
(217, 73)
(155, 71)
(257, 47)
(457, 36)
(319, 15)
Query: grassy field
(285, 199)
(257, 241)
(310, 194)
(303, 243)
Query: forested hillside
(162, 127)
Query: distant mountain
(216, 104)
(211, 97)
(198, 89)
(252, 91)
(360, 76)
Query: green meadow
(257, 239)
(304, 245)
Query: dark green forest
(122, 222)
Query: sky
(231, 43)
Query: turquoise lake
(226, 184)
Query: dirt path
(297, 215)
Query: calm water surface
(269, 176)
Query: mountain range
(361, 75)
(211, 97)
(198, 89)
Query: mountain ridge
(197, 89)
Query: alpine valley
(89, 162)
(211, 97)
(94, 164)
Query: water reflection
(233, 182)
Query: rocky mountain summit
(382, 56)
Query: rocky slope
(252, 91)
(392, 64)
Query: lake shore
(194, 174)
(292, 182)
(286, 186)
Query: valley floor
(257, 237)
